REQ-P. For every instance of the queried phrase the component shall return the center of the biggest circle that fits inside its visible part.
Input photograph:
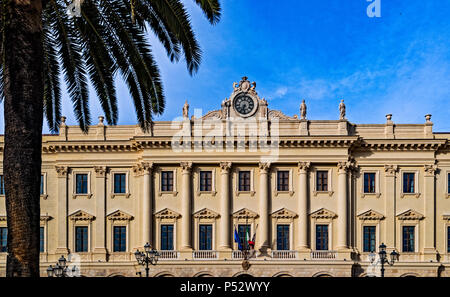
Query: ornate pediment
(410, 215)
(81, 216)
(284, 214)
(45, 218)
(323, 213)
(370, 215)
(213, 115)
(119, 215)
(206, 213)
(446, 217)
(2, 218)
(167, 213)
(276, 114)
(245, 213)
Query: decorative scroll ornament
(100, 171)
(264, 167)
(62, 171)
(214, 115)
(225, 166)
(430, 169)
(276, 114)
(303, 166)
(186, 166)
(390, 169)
(244, 86)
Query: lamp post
(383, 259)
(148, 256)
(60, 269)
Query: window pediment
(245, 213)
(323, 213)
(167, 213)
(446, 217)
(206, 213)
(45, 218)
(81, 216)
(119, 215)
(284, 214)
(370, 215)
(410, 215)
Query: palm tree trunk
(23, 107)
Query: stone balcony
(323, 255)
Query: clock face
(244, 104)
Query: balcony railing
(169, 255)
(236, 254)
(323, 255)
(205, 255)
(284, 255)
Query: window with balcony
(282, 180)
(408, 182)
(167, 237)
(369, 182)
(120, 183)
(244, 233)
(81, 183)
(167, 181)
(81, 239)
(282, 237)
(244, 181)
(205, 237)
(3, 239)
(120, 239)
(322, 237)
(369, 239)
(206, 181)
(408, 239)
(322, 181)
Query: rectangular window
(2, 185)
(167, 181)
(322, 181)
(120, 239)
(369, 239)
(408, 239)
(448, 239)
(81, 239)
(205, 237)
(3, 239)
(206, 181)
(120, 181)
(282, 237)
(42, 185)
(408, 183)
(283, 180)
(322, 237)
(167, 237)
(244, 234)
(244, 181)
(41, 239)
(369, 182)
(82, 183)
(448, 183)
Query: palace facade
(317, 196)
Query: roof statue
(342, 110)
(303, 110)
(186, 110)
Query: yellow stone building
(318, 194)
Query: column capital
(62, 171)
(343, 167)
(430, 170)
(142, 168)
(100, 171)
(303, 167)
(390, 170)
(225, 167)
(186, 167)
(264, 167)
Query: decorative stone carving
(206, 213)
(410, 215)
(3, 219)
(303, 110)
(391, 169)
(276, 114)
(446, 217)
(389, 117)
(370, 215)
(186, 166)
(342, 110)
(428, 118)
(100, 171)
(186, 111)
(303, 167)
(430, 170)
(167, 213)
(45, 218)
(264, 167)
(63, 121)
(245, 213)
(213, 115)
(62, 171)
(142, 167)
(100, 120)
(119, 215)
(284, 214)
(244, 85)
(225, 167)
(81, 216)
(323, 213)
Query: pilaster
(303, 221)
(225, 213)
(186, 224)
(430, 252)
(62, 247)
(264, 236)
(99, 252)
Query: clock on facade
(244, 104)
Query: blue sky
(321, 51)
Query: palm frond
(211, 9)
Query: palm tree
(38, 43)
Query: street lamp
(148, 256)
(383, 259)
(60, 269)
